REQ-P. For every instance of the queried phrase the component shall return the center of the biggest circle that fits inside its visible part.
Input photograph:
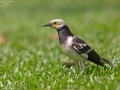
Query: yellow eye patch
(56, 24)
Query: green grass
(31, 60)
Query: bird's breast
(71, 53)
(69, 50)
(66, 46)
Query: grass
(31, 60)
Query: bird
(74, 47)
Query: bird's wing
(86, 51)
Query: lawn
(31, 58)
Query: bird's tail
(103, 60)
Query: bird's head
(56, 23)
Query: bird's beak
(48, 24)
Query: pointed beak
(48, 24)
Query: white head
(56, 23)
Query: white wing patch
(89, 50)
(82, 45)
(70, 52)
(80, 48)
(85, 55)
(77, 49)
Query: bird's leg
(83, 66)
(77, 66)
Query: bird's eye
(55, 22)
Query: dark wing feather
(82, 48)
